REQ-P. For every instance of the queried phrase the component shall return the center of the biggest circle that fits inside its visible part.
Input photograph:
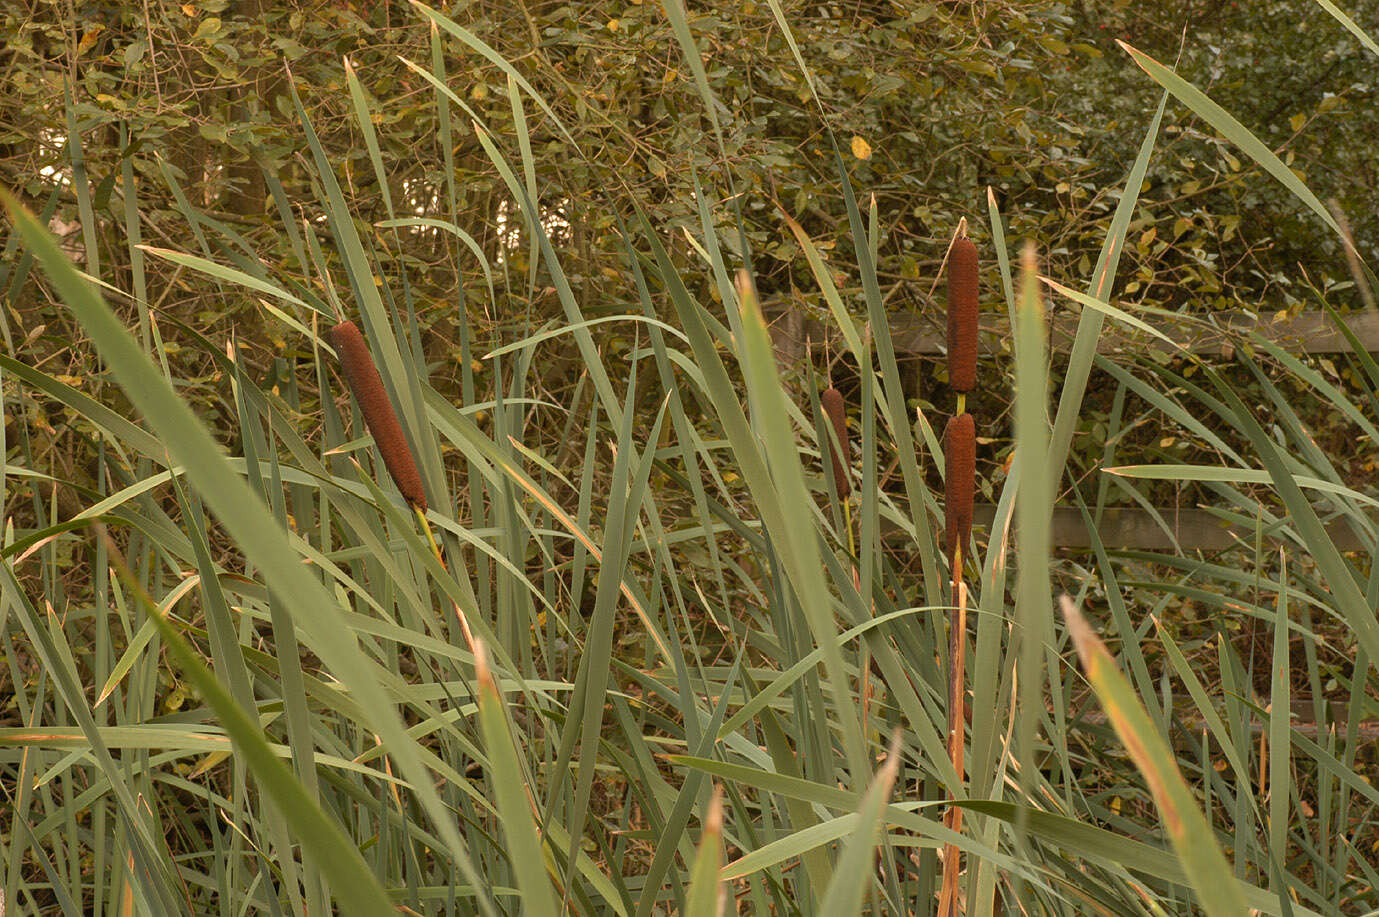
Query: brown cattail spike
(962, 316)
(367, 386)
(960, 457)
(832, 401)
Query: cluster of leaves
(943, 100)
(180, 106)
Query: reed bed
(643, 668)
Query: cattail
(832, 401)
(364, 381)
(962, 316)
(960, 456)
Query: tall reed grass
(674, 685)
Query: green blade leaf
(707, 892)
(506, 775)
(1206, 866)
(848, 890)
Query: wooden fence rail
(1308, 332)
(1133, 528)
(1167, 528)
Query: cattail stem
(959, 446)
(957, 729)
(847, 521)
(430, 536)
(440, 559)
(362, 377)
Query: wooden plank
(1303, 721)
(1309, 332)
(1132, 528)
(1135, 528)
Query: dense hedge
(1033, 99)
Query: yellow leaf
(209, 762)
(614, 25)
(1297, 121)
(860, 148)
(89, 39)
